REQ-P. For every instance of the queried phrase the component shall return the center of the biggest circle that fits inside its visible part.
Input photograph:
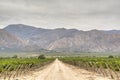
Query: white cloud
(81, 14)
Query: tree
(15, 56)
(41, 56)
(110, 56)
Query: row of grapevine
(108, 67)
(11, 68)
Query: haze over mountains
(28, 38)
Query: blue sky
(80, 14)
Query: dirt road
(60, 71)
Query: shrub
(41, 57)
(15, 56)
(110, 56)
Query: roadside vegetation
(12, 67)
(106, 66)
(15, 66)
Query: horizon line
(63, 28)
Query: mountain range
(19, 37)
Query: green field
(70, 54)
(109, 67)
(100, 63)
(13, 67)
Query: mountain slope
(9, 41)
(43, 40)
(92, 41)
(24, 31)
(62, 39)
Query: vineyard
(10, 68)
(107, 67)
